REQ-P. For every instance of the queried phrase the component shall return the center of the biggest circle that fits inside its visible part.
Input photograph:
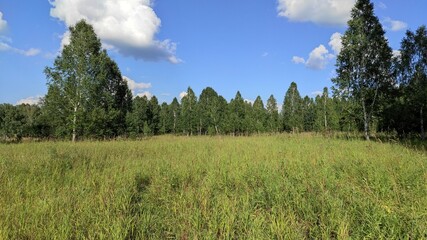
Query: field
(262, 187)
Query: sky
(162, 47)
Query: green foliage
(413, 74)
(273, 124)
(264, 187)
(86, 92)
(189, 118)
(364, 63)
(292, 110)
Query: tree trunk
(74, 124)
(365, 121)
(423, 136)
(325, 112)
(174, 121)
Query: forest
(375, 90)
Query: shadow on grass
(141, 183)
(413, 142)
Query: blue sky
(258, 47)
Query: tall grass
(267, 187)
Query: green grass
(266, 187)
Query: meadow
(167, 187)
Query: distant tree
(137, 118)
(413, 73)
(236, 115)
(174, 115)
(249, 119)
(86, 87)
(153, 115)
(209, 110)
(364, 63)
(272, 115)
(189, 112)
(222, 111)
(260, 115)
(165, 119)
(326, 114)
(292, 110)
(309, 113)
(12, 122)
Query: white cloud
(394, 25)
(182, 94)
(331, 12)
(134, 86)
(29, 53)
(30, 100)
(146, 93)
(397, 53)
(265, 54)
(128, 26)
(3, 23)
(335, 43)
(316, 93)
(318, 58)
(298, 60)
(4, 46)
(249, 101)
(65, 39)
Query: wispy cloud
(394, 25)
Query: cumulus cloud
(138, 87)
(30, 100)
(182, 94)
(3, 23)
(298, 60)
(134, 86)
(146, 94)
(128, 26)
(394, 25)
(318, 58)
(330, 12)
(335, 43)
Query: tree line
(373, 90)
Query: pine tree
(364, 63)
(292, 110)
(260, 115)
(272, 114)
